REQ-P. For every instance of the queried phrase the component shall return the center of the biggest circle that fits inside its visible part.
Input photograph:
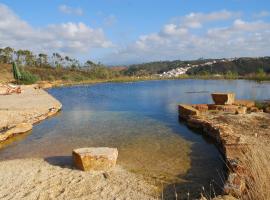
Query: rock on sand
(99, 158)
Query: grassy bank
(254, 77)
(69, 76)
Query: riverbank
(19, 112)
(43, 179)
(243, 140)
(49, 178)
(61, 83)
(53, 77)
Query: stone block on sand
(95, 159)
(223, 98)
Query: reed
(257, 162)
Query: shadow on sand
(61, 161)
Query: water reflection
(141, 120)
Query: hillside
(6, 73)
(241, 66)
(160, 66)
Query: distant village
(183, 70)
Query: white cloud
(196, 20)
(262, 14)
(179, 41)
(110, 20)
(70, 10)
(68, 38)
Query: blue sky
(125, 31)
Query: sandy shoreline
(18, 112)
(40, 179)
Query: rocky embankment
(236, 126)
(18, 112)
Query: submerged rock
(96, 159)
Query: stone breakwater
(19, 112)
(234, 127)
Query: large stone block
(241, 110)
(267, 110)
(223, 98)
(201, 107)
(96, 159)
(186, 110)
(243, 102)
(224, 108)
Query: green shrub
(65, 77)
(28, 78)
(51, 78)
(261, 75)
(77, 77)
(231, 75)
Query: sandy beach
(41, 179)
(18, 112)
(38, 179)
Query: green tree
(89, 64)
(29, 58)
(8, 55)
(19, 54)
(2, 57)
(43, 60)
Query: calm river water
(141, 120)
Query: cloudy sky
(129, 31)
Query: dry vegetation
(6, 73)
(257, 162)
